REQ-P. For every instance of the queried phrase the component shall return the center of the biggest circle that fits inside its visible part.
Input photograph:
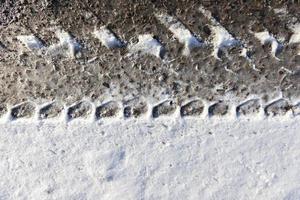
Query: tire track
(137, 108)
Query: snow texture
(180, 32)
(265, 37)
(221, 38)
(295, 38)
(31, 42)
(147, 45)
(67, 46)
(151, 159)
(107, 38)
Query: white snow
(221, 38)
(295, 38)
(265, 37)
(31, 42)
(147, 45)
(151, 159)
(180, 32)
(67, 46)
(107, 38)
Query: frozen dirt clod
(249, 107)
(82, 109)
(278, 107)
(218, 109)
(165, 108)
(23, 110)
(193, 108)
(51, 110)
(107, 110)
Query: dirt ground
(98, 73)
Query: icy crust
(266, 37)
(180, 32)
(147, 44)
(107, 38)
(31, 42)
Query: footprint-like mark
(135, 108)
(23, 110)
(51, 110)
(165, 108)
(107, 110)
(218, 109)
(82, 109)
(278, 107)
(193, 108)
(249, 107)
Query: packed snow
(147, 44)
(107, 38)
(265, 37)
(180, 32)
(31, 42)
(166, 158)
(67, 46)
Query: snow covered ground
(165, 158)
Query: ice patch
(67, 45)
(265, 37)
(180, 32)
(147, 45)
(31, 42)
(107, 38)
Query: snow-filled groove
(90, 111)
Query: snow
(147, 45)
(295, 38)
(31, 42)
(265, 37)
(67, 46)
(107, 38)
(222, 39)
(168, 158)
(180, 32)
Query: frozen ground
(166, 158)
